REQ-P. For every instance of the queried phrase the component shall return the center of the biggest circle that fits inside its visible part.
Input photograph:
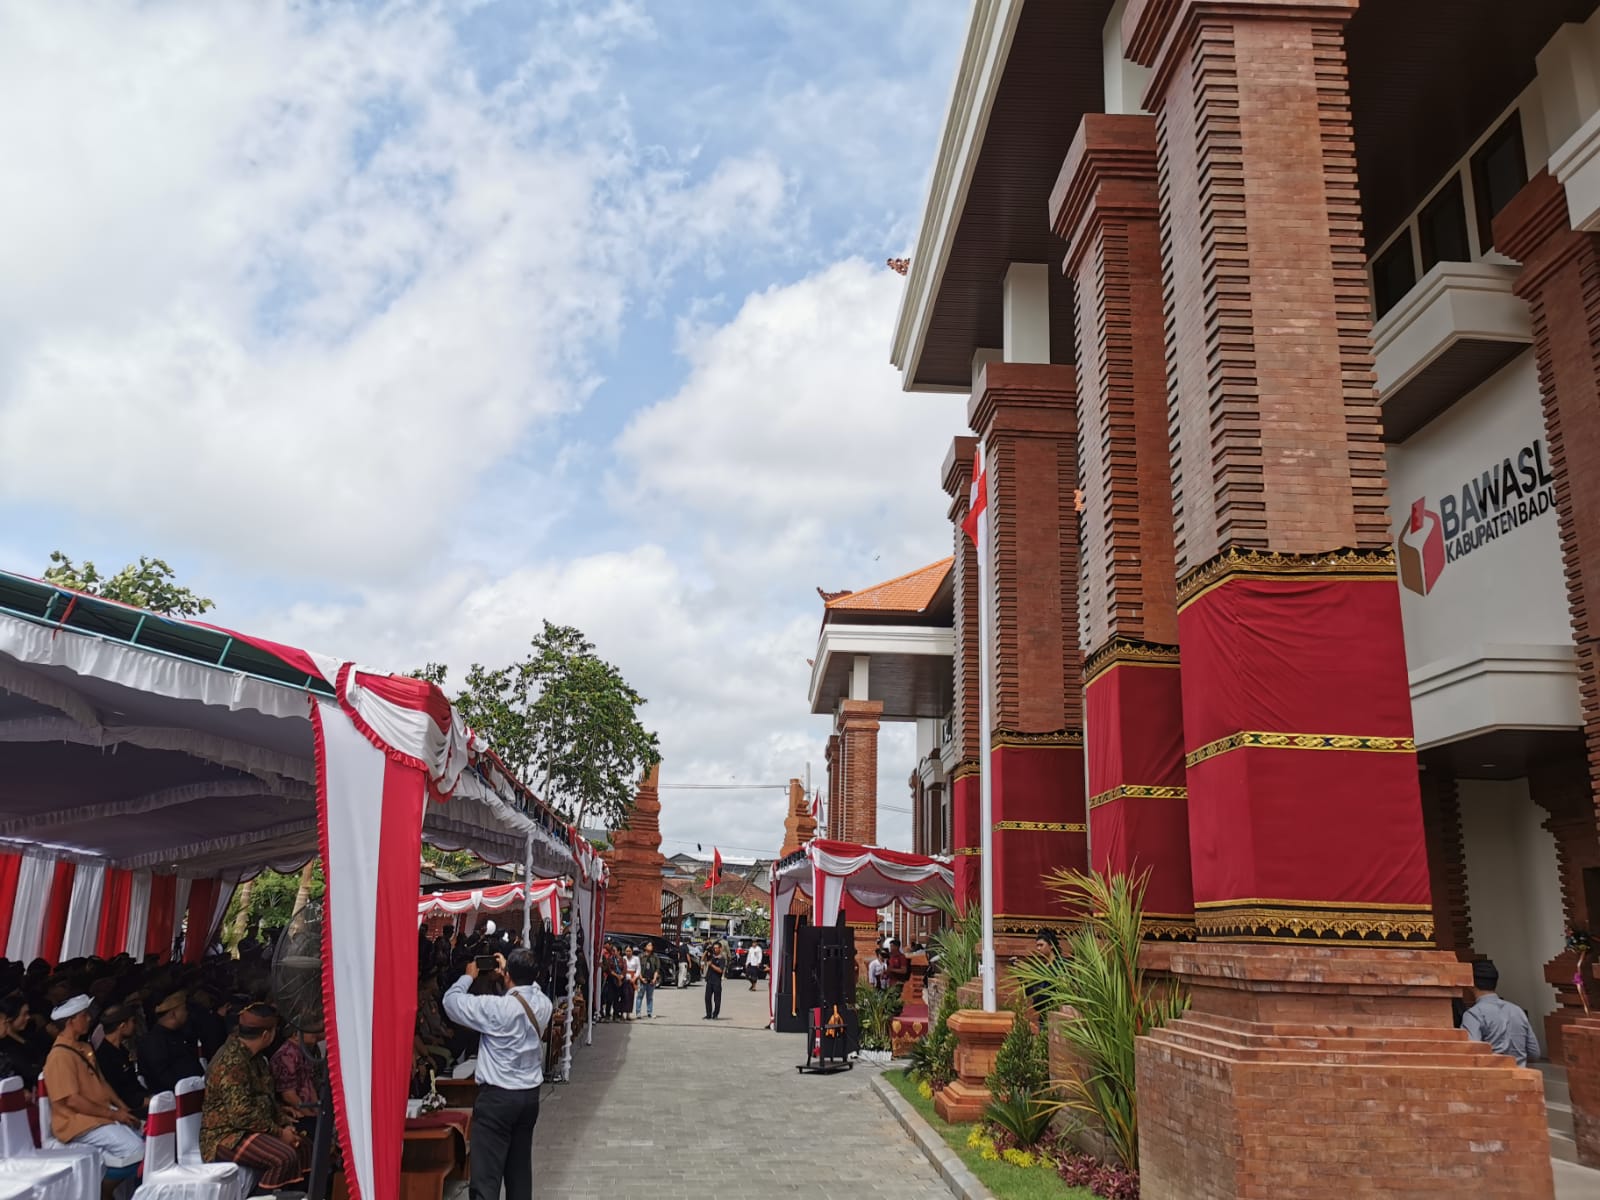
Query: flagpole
(986, 969)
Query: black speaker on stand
(833, 1034)
(790, 1013)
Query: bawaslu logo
(1498, 501)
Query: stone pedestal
(1322, 1071)
(1581, 1047)
(978, 1039)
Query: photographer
(509, 1073)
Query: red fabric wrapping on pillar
(163, 900)
(55, 913)
(967, 835)
(1039, 827)
(10, 870)
(1139, 820)
(114, 898)
(1302, 771)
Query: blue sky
(399, 327)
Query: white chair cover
(191, 1099)
(67, 1172)
(88, 1165)
(12, 1188)
(164, 1177)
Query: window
(1394, 273)
(1499, 171)
(1443, 226)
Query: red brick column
(1105, 205)
(1024, 413)
(1286, 1076)
(835, 765)
(1560, 280)
(1447, 868)
(856, 769)
(965, 834)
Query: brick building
(1280, 321)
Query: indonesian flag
(978, 499)
(816, 803)
(716, 870)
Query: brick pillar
(1562, 790)
(835, 787)
(1024, 413)
(1106, 206)
(964, 831)
(1447, 868)
(1315, 966)
(1560, 280)
(856, 769)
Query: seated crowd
(107, 1034)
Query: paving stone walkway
(681, 1107)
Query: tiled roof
(908, 593)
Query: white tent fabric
(136, 766)
(827, 871)
(543, 895)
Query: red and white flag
(816, 803)
(977, 504)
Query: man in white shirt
(510, 1070)
(752, 964)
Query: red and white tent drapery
(827, 871)
(545, 895)
(139, 782)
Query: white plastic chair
(88, 1164)
(165, 1178)
(49, 1176)
(191, 1101)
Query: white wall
(1512, 889)
(1506, 590)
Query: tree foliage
(149, 584)
(565, 722)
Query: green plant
(1098, 975)
(1020, 1115)
(942, 1051)
(1017, 1065)
(920, 1065)
(875, 1009)
(955, 947)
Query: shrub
(876, 1009)
(942, 1039)
(1098, 975)
(1018, 1066)
(1021, 1116)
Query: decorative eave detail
(1060, 739)
(1269, 564)
(1120, 651)
(983, 60)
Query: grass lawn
(1004, 1180)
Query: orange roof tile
(908, 593)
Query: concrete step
(1560, 1117)
(1555, 1082)
(1563, 1147)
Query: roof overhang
(909, 668)
(1027, 74)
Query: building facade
(1280, 323)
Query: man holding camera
(510, 1071)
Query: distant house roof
(913, 592)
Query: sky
(397, 328)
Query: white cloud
(299, 269)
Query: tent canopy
(827, 871)
(145, 762)
(546, 895)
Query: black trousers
(713, 994)
(502, 1142)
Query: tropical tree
(149, 584)
(1098, 975)
(565, 722)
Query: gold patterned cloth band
(1121, 652)
(1368, 743)
(1040, 827)
(1137, 791)
(1367, 565)
(1255, 920)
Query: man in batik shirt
(243, 1121)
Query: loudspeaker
(836, 969)
(789, 1016)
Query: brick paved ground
(680, 1107)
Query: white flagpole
(986, 969)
